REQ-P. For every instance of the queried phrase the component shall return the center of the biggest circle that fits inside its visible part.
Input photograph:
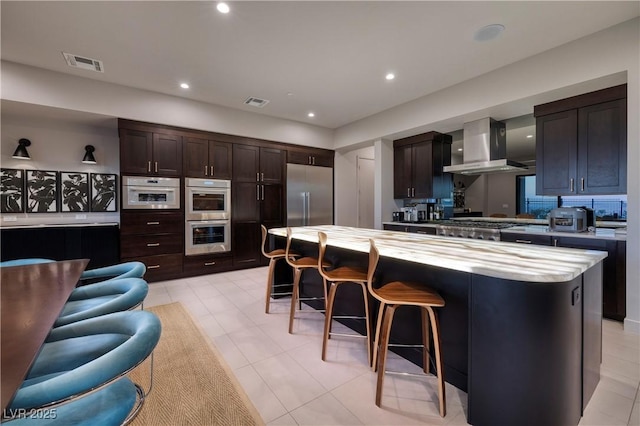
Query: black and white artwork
(42, 191)
(74, 191)
(104, 192)
(12, 191)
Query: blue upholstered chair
(113, 272)
(86, 355)
(103, 298)
(27, 261)
(109, 406)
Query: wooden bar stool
(392, 296)
(337, 276)
(299, 265)
(273, 256)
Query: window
(607, 207)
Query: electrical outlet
(505, 206)
(10, 218)
(81, 216)
(575, 296)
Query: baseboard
(632, 326)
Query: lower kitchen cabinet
(541, 240)
(207, 264)
(246, 238)
(99, 244)
(426, 230)
(155, 239)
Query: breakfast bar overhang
(522, 326)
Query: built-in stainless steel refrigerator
(309, 195)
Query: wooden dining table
(32, 298)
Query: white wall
(346, 185)
(58, 146)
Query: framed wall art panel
(11, 191)
(74, 192)
(104, 192)
(42, 191)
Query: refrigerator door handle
(308, 209)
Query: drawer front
(161, 267)
(541, 240)
(150, 245)
(151, 223)
(207, 264)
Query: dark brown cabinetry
(614, 279)
(310, 157)
(417, 166)
(207, 264)
(155, 239)
(257, 198)
(426, 230)
(147, 153)
(207, 158)
(581, 144)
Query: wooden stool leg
(272, 267)
(328, 316)
(425, 339)
(376, 339)
(365, 295)
(435, 327)
(384, 342)
(294, 296)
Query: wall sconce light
(88, 155)
(21, 151)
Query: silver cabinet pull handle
(571, 185)
(156, 167)
(211, 171)
(153, 266)
(421, 232)
(257, 176)
(209, 263)
(413, 192)
(261, 177)
(309, 160)
(205, 170)
(262, 192)
(313, 161)
(257, 192)
(149, 166)
(582, 184)
(408, 192)
(153, 244)
(153, 223)
(523, 241)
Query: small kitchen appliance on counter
(569, 219)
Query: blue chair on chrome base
(103, 298)
(85, 356)
(121, 270)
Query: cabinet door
(220, 159)
(246, 239)
(556, 152)
(246, 163)
(136, 152)
(402, 172)
(196, 153)
(167, 155)
(602, 148)
(245, 201)
(272, 165)
(510, 237)
(422, 170)
(271, 205)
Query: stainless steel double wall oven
(208, 216)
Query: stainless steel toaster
(568, 219)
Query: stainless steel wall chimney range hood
(484, 149)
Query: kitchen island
(521, 329)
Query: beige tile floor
(290, 385)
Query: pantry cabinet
(417, 166)
(207, 158)
(581, 144)
(150, 154)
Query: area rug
(192, 384)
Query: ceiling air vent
(81, 62)
(256, 102)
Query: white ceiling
(330, 56)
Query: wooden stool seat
(275, 253)
(299, 265)
(393, 295)
(336, 277)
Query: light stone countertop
(619, 234)
(511, 261)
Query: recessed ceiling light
(289, 94)
(184, 85)
(529, 136)
(223, 7)
(459, 149)
(390, 76)
(488, 32)
(311, 115)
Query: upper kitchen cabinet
(148, 153)
(207, 158)
(417, 166)
(310, 157)
(581, 144)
